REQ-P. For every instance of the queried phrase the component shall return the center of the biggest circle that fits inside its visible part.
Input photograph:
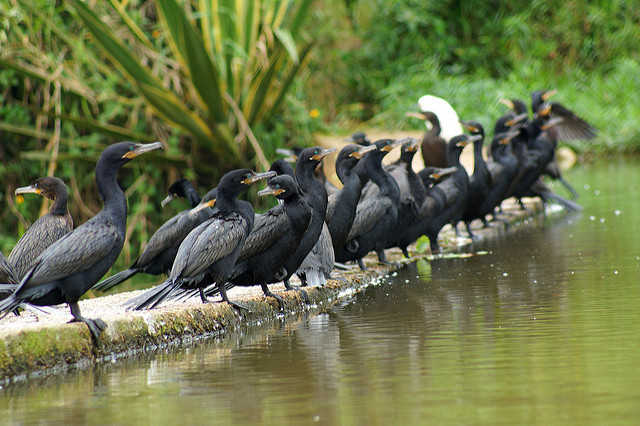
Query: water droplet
(504, 274)
(602, 220)
(586, 187)
(596, 192)
(617, 212)
(592, 218)
(615, 272)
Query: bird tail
(8, 305)
(313, 277)
(567, 185)
(114, 280)
(155, 296)
(548, 196)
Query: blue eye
(277, 186)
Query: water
(542, 329)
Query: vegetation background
(223, 83)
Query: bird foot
(361, 265)
(303, 294)
(237, 306)
(279, 299)
(96, 326)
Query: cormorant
(375, 214)
(433, 147)
(341, 208)
(431, 205)
(209, 252)
(46, 230)
(74, 263)
(455, 189)
(275, 236)
(160, 252)
(359, 138)
(479, 182)
(316, 242)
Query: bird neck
(386, 183)
(111, 194)
(477, 153)
(435, 125)
(192, 195)
(314, 191)
(59, 205)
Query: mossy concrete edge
(48, 350)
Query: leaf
(189, 45)
(287, 41)
(422, 244)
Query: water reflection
(542, 329)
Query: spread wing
(75, 252)
(368, 212)
(572, 126)
(267, 228)
(212, 240)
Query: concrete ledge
(33, 345)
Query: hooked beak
(142, 148)
(508, 137)
(546, 95)
(470, 127)
(508, 103)
(414, 144)
(552, 122)
(204, 204)
(167, 200)
(323, 153)
(288, 154)
(271, 191)
(419, 115)
(543, 110)
(470, 139)
(255, 177)
(361, 151)
(28, 190)
(517, 119)
(442, 173)
(393, 144)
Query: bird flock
(220, 242)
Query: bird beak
(393, 144)
(508, 103)
(517, 119)
(442, 173)
(258, 176)
(362, 150)
(289, 155)
(28, 190)
(470, 127)
(552, 122)
(546, 95)
(419, 115)
(323, 153)
(167, 200)
(142, 148)
(508, 137)
(470, 139)
(271, 191)
(203, 205)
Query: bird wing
(332, 202)
(75, 252)
(267, 229)
(321, 257)
(368, 212)
(572, 127)
(209, 242)
(7, 276)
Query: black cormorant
(157, 257)
(209, 252)
(479, 182)
(455, 189)
(74, 263)
(341, 208)
(47, 229)
(375, 214)
(433, 147)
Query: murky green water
(544, 329)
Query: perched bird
(479, 182)
(359, 138)
(341, 208)
(74, 263)
(375, 214)
(316, 242)
(276, 234)
(209, 252)
(434, 146)
(455, 189)
(47, 229)
(430, 207)
(160, 252)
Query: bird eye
(277, 186)
(131, 148)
